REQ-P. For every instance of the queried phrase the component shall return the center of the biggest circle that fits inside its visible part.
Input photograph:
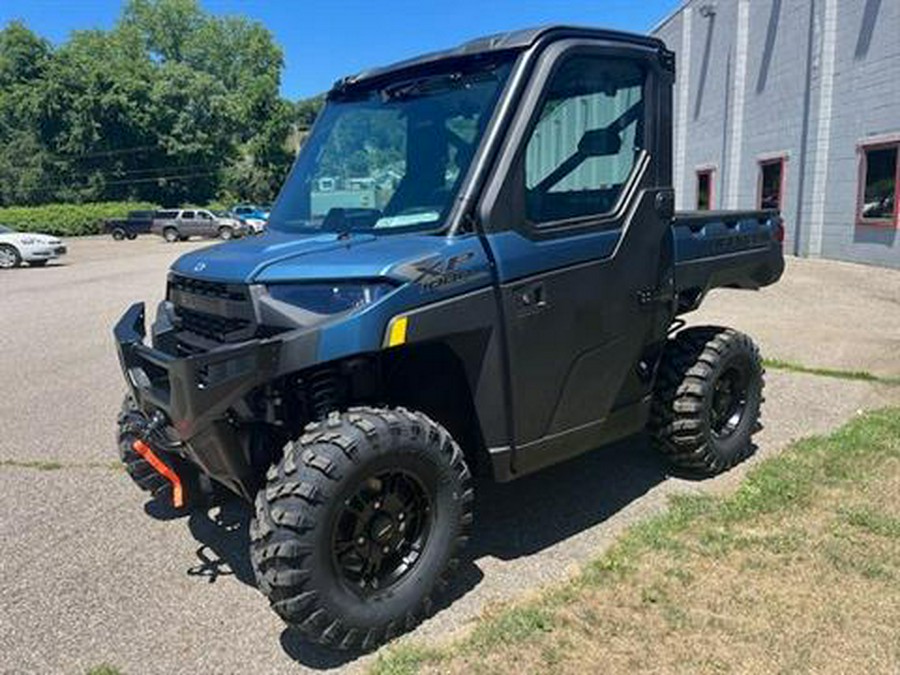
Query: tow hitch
(145, 451)
(151, 468)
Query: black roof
(517, 40)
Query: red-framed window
(706, 189)
(879, 181)
(770, 191)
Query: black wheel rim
(729, 401)
(381, 531)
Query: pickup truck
(511, 298)
(137, 222)
(182, 224)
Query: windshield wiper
(421, 86)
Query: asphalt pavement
(91, 573)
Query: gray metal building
(795, 104)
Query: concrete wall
(808, 80)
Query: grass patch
(53, 465)
(104, 669)
(406, 659)
(40, 465)
(769, 577)
(860, 375)
(873, 521)
(512, 625)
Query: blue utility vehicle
(499, 290)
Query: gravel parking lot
(91, 574)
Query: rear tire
(118, 234)
(170, 234)
(707, 401)
(360, 524)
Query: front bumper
(42, 252)
(195, 394)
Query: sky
(327, 39)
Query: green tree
(23, 55)
(195, 124)
(173, 104)
(25, 168)
(166, 27)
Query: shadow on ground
(511, 520)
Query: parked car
(137, 222)
(346, 382)
(251, 211)
(34, 249)
(182, 224)
(255, 216)
(254, 225)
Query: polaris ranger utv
(474, 263)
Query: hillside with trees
(172, 105)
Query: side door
(207, 225)
(577, 218)
(188, 224)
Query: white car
(257, 225)
(34, 249)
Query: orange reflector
(163, 469)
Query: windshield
(5, 230)
(390, 160)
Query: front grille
(210, 326)
(213, 289)
(210, 313)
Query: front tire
(170, 234)
(707, 401)
(9, 257)
(226, 233)
(118, 234)
(360, 523)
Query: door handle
(530, 299)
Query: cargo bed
(725, 249)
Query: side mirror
(600, 143)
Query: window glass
(187, 215)
(704, 190)
(587, 139)
(880, 184)
(770, 184)
(391, 159)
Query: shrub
(67, 220)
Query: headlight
(330, 298)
